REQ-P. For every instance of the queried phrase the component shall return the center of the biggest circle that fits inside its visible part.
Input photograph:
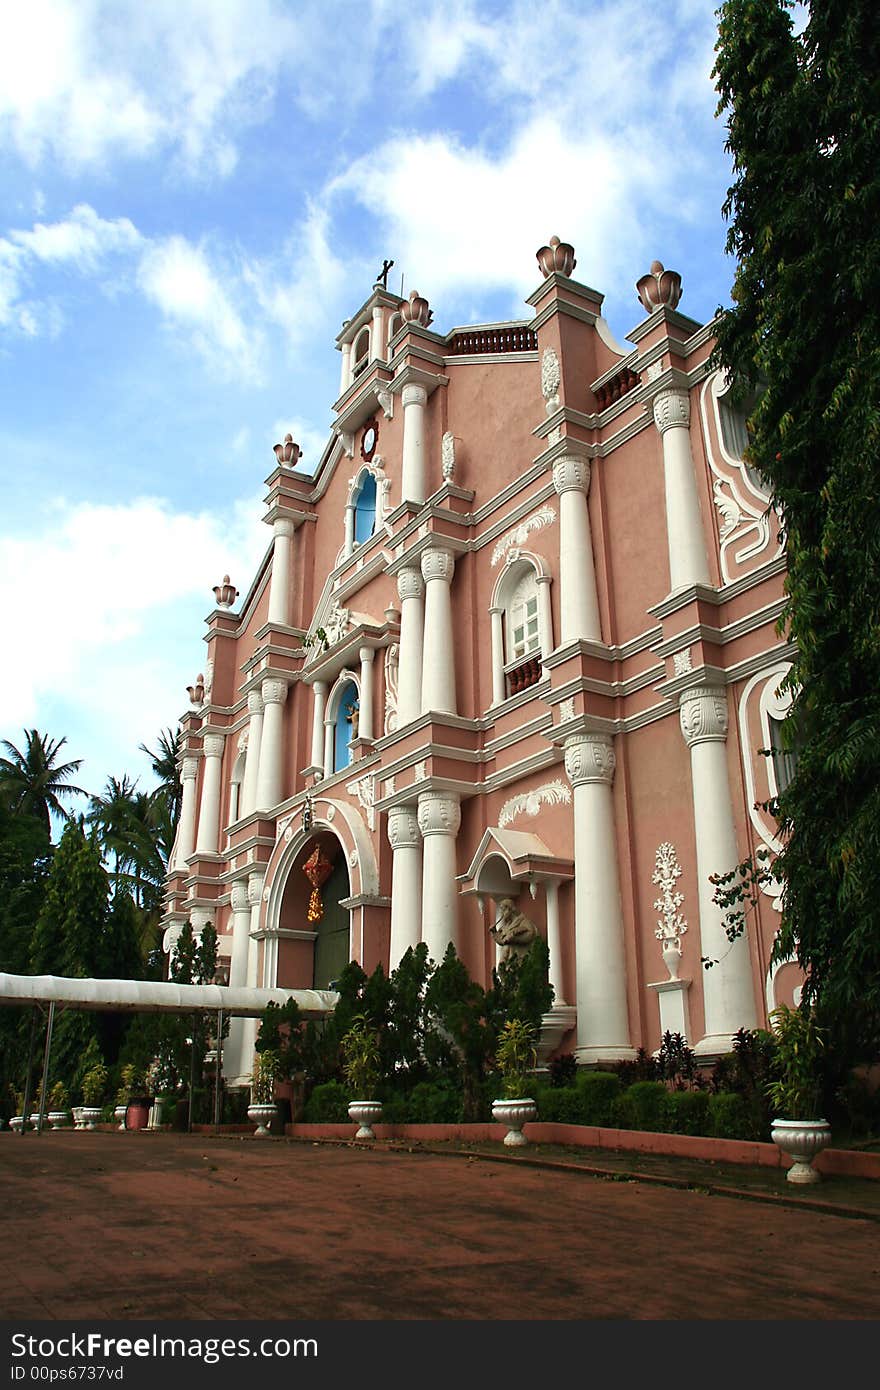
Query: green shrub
(395, 1110)
(688, 1112)
(431, 1103)
(598, 1091)
(563, 1069)
(728, 1116)
(562, 1105)
(645, 1105)
(327, 1105)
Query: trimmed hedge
(644, 1105)
(728, 1116)
(327, 1105)
(688, 1112)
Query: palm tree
(33, 781)
(114, 819)
(164, 764)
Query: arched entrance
(312, 954)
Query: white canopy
(157, 996)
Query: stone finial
(288, 453)
(416, 310)
(559, 256)
(225, 594)
(196, 692)
(659, 287)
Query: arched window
(522, 618)
(394, 325)
(365, 509)
(521, 627)
(360, 352)
(346, 724)
(235, 785)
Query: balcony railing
(485, 340)
(618, 386)
(527, 673)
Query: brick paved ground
(143, 1225)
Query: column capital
(571, 473)
(213, 745)
(239, 896)
(283, 526)
(413, 395)
(438, 564)
(439, 813)
(255, 702)
(703, 714)
(190, 769)
(672, 410)
(255, 887)
(410, 584)
(366, 653)
(589, 758)
(320, 688)
(273, 691)
(403, 827)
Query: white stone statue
(513, 931)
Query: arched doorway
(313, 953)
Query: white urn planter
(91, 1114)
(119, 1115)
(16, 1123)
(802, 1140)
(262, 1114)
(514, 1114)
(365, 1113)
(58, 1119)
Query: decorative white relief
(759, 772)
(681, 662)
(347, 441)
(209, 679)
(243, 739)
(551, 377)
(530, 803)
(386, 401)
(654, 370)
(748, 526)
(390, 786)
(421, 771)
(266, 891)
(330, 813)
(392, 670)
(671, 925)
(337, 624)
(447, 455)
(353, 859)
(518, 534)
(566, 710)
(282, 826)
(554, 436)
(365, 791)
(288, 835)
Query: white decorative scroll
(529, 803)
(447, 454)
(386, 401)
(681, 661)
(365, 791)
(748, 526)
(337, 624)
(566, 710)
(544, 516)
(671, 925)
(209, 679)
(392, 669)
(763, 697)
(551, 377)
(389, 785)
(421, 771)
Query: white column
(728, 992)
(438, 657)
(249, 1030)
(252, 756)
(577, 570)
(319, 690)
(684, 528)
(349, 528)
(411, 589)
(406, 881)
(329, 740)
(345, 376)
(270, 781)
(412, 485)
(377, 345)
(439, 821)
(496, 618)
(545, 615)
(602, 1018)
(187, 830)
(365, 711)
(241, 923)
(279, 594)
(554, 940)
(208, 838)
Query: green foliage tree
(34, 782)
(68, 937)
(803, 115)
(24, 869)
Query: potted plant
(137, 1103)
(59, 1103)
(94, 1085)
(516, 1056)
(799, 1130)
(262, 1108)
(360, 1065)
(17, 1122)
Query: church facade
(514, 638)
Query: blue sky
(195, 193)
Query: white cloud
(114, 594)
(83, 239)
